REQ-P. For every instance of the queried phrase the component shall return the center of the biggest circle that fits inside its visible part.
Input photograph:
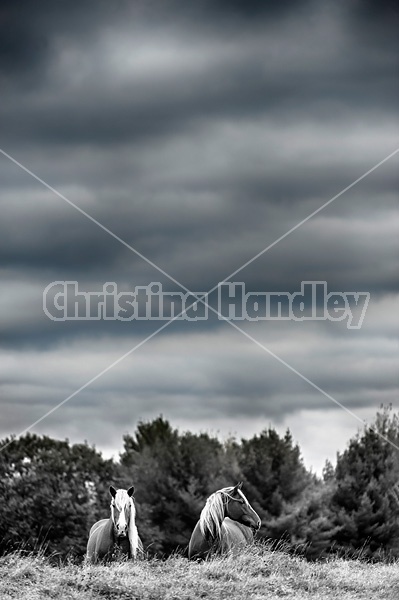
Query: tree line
(53, 491)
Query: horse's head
(122, 510)
(239, 509)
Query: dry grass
(256, 574)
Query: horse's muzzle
(255, 528)
(120, 534)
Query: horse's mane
(121, 498)
(212, 514)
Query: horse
(227, 523)
(118, 534)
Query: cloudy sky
(172, 142)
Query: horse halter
(240, 500)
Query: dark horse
(227, 522)
(118, 534)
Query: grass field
(257, 573)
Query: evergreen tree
(364, 502)
(153, 461)
(306, 525)
(174, 474)
(273, 469)
(53, 493)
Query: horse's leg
(90, 550)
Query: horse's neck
(237, 531)
(133, 536)
(213, 530)
(212, 519)
(110, 528)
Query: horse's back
(100, 541)
(234, 536)
(198, 546)
(97, 525)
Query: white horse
(118, 533)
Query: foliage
(307, 524)
(52, 491)
(365, 500)
(174, 474)
(273, 470)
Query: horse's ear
(112, 491)
(130, 491)
(238, 486)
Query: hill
(256, 574)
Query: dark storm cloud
(28, 31)
(199, 133)
(231, 88)
(314, 69)
(188, 378)
(57, 242)
(352, 256)
(30, 34)
(172, 110)
(384, 13)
